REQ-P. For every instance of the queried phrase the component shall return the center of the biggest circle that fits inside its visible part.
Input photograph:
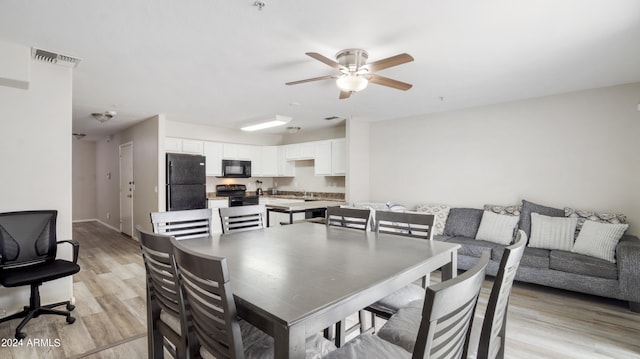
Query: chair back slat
(242, 218)
(205, 281)
(162, 281)
(492, 336)
(193, 223)
(348, 217)
(407, 224)
(447, 314)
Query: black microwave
(236, 169)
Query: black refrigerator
(186, 182)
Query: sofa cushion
(599, 240)
(497, 228)
(530, 207)
(532, 257)
(440, 213)
(472, 247)
(581, 264)
(552, 232)
(463, 222)
(441, 238)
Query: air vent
(52, 57)
(331, 118)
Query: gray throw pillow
(530, 207)
(464, 222)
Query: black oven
(237, 201)
(236, 169)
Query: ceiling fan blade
(324, 60)
(344, 94)
(389, 62)
(385, 81)
(312, 79)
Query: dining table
(294, 281)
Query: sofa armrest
(628, 258)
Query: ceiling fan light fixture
(278, 120)
(352, 83)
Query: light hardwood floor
(111, 314)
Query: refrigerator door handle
(168, 198)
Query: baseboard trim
(96, 220)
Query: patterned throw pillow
(440, 213)
(601, 217)
(508, 210)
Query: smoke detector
(54, 58)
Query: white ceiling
(224, 63)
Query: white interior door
(127, 189)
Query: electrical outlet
(108, 215)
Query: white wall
(578, 150)
(35, 143)
(147, 171)
(329, 133)
(358, 161)
(84, 180)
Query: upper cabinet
(179, 145)
(300, 151)
(267, 161)
(213, 158)
(330, 157)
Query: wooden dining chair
(205, 283)
(242, 218)
(192, 223)
(415, 225)
(488, 335)
(444, 323)
(348, 217)
(166, 318)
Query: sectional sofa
(567, 249)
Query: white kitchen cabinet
(286, 168)
(255, 157)
(192, 147)
(322, 164)
(269, 161)
(172, 144)
(179, 145)
(234, 151)
(300, 151)
(213, 158)
(215, 204)
(338, 157)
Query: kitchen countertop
(311, 196)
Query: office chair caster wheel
(70, 307)
(71, 319)
(20, 335)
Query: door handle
(129, 196)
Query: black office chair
(28, 247)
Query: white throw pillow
(552, 232)
(440, 213)
(497, 228)
(599, 240)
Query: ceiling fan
(355, 73)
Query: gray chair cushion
(582, 264)
(402, 328)
(473, 247)
(463, 222)
(258, 345)
(370, 347)
(400, 298)
(528, 208)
